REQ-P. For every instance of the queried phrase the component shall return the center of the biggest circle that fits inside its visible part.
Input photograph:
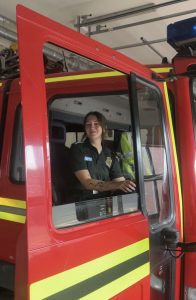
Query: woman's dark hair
(100, 118)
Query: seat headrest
(58, 132)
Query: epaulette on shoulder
(76, 143)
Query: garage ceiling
(128, 39)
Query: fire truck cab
(117, 246)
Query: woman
(95, 168)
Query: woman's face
(93, 128)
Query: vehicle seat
(126, 155)
(59, 162)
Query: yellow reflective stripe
(162, 70)
(119, 285)
(54, 284)
(13, 203)
(175, 155)
(84, 76)
(12, 217)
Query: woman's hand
(126, 186)
(119, 183)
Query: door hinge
(170, 240)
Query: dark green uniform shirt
(103, 166)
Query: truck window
(155, 160)
(17, 163)
(66, 127)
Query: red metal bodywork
(187, 157)
(185, 139)
(53, 251)
(7, 187)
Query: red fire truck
(120, 246)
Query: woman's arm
(103, 186)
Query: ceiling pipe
(8, 34)
(139, 44)
(100, 30)
(86, 20)
(6, 20)
(125, 13)
(151, 47)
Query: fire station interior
(141, 40)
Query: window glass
(156, 183)
(68, 208)
(17, 166)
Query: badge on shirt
(88, 158)
(108, 162)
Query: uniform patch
(108, 162)
(88, 158)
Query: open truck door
(105, 254)
(180, 76)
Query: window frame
(193, 107)
(88, 94)
(134, 79)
